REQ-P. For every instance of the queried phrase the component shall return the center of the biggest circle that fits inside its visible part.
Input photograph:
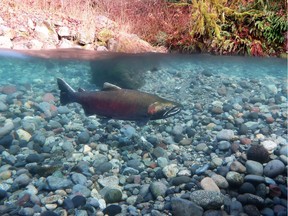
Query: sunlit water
(18, 68)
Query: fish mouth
(172, 111)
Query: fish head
(161, 110)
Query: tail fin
(67, 93)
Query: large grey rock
(158, 189)
(274, 168)
(254, 167)
(7, 128)
(225, 134)
(56, 183)
(185, 207)
(207, 199)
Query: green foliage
(234, 27)
(273, 28)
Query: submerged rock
(207, 199)
(185, 207)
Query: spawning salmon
(117, 103)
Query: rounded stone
(56, 183)
(162, 162)
(247, 187)
(37, 158)
(254, 167)
(170, 170)
(112, 210)
(208, 184)
(81, 189)
(237, 167)
(180, 180)
(225, 134)
(269, 145)
(78, 201)
(158, 189)
(274, 168)
(224, 145)
(6, 141)
(23, 135)
(185, 207)
(22, 180)
(284, 150)
(207, 199)
(79, 178)
(83, 137)
(220, 181)
(113, 195)
(234, 178)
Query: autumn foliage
(255, 28)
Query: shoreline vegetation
(236, 27)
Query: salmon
(117, 103)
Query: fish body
(117, 103)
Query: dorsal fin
(110, 87)
(81, 90)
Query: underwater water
(228, 145)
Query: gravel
(225, 153)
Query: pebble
(254, 178)
(180, 180)
(220, 181)
(249, 198)
(225, 134)
(170, 171)
(78, 201)
(83, 137)
(68, 204)
(269, 145)
(207, 199)
(112, 210)
(37, 158)
(56, 183)
(247, 187)
(3, 107)
(7, 128)
(185, 207)
(237, 167)
(23, 135)
(6, 141)
(158, 189)
(63, 110)
(254, 167)
(110, 181)
(79, 178)
(234, 178)
(274, 168)
(162, 162)
(113, 195)
(22, 180)
(49, 213)
(208, 184)
(81, 189)
(224, 145)
(284, 150)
